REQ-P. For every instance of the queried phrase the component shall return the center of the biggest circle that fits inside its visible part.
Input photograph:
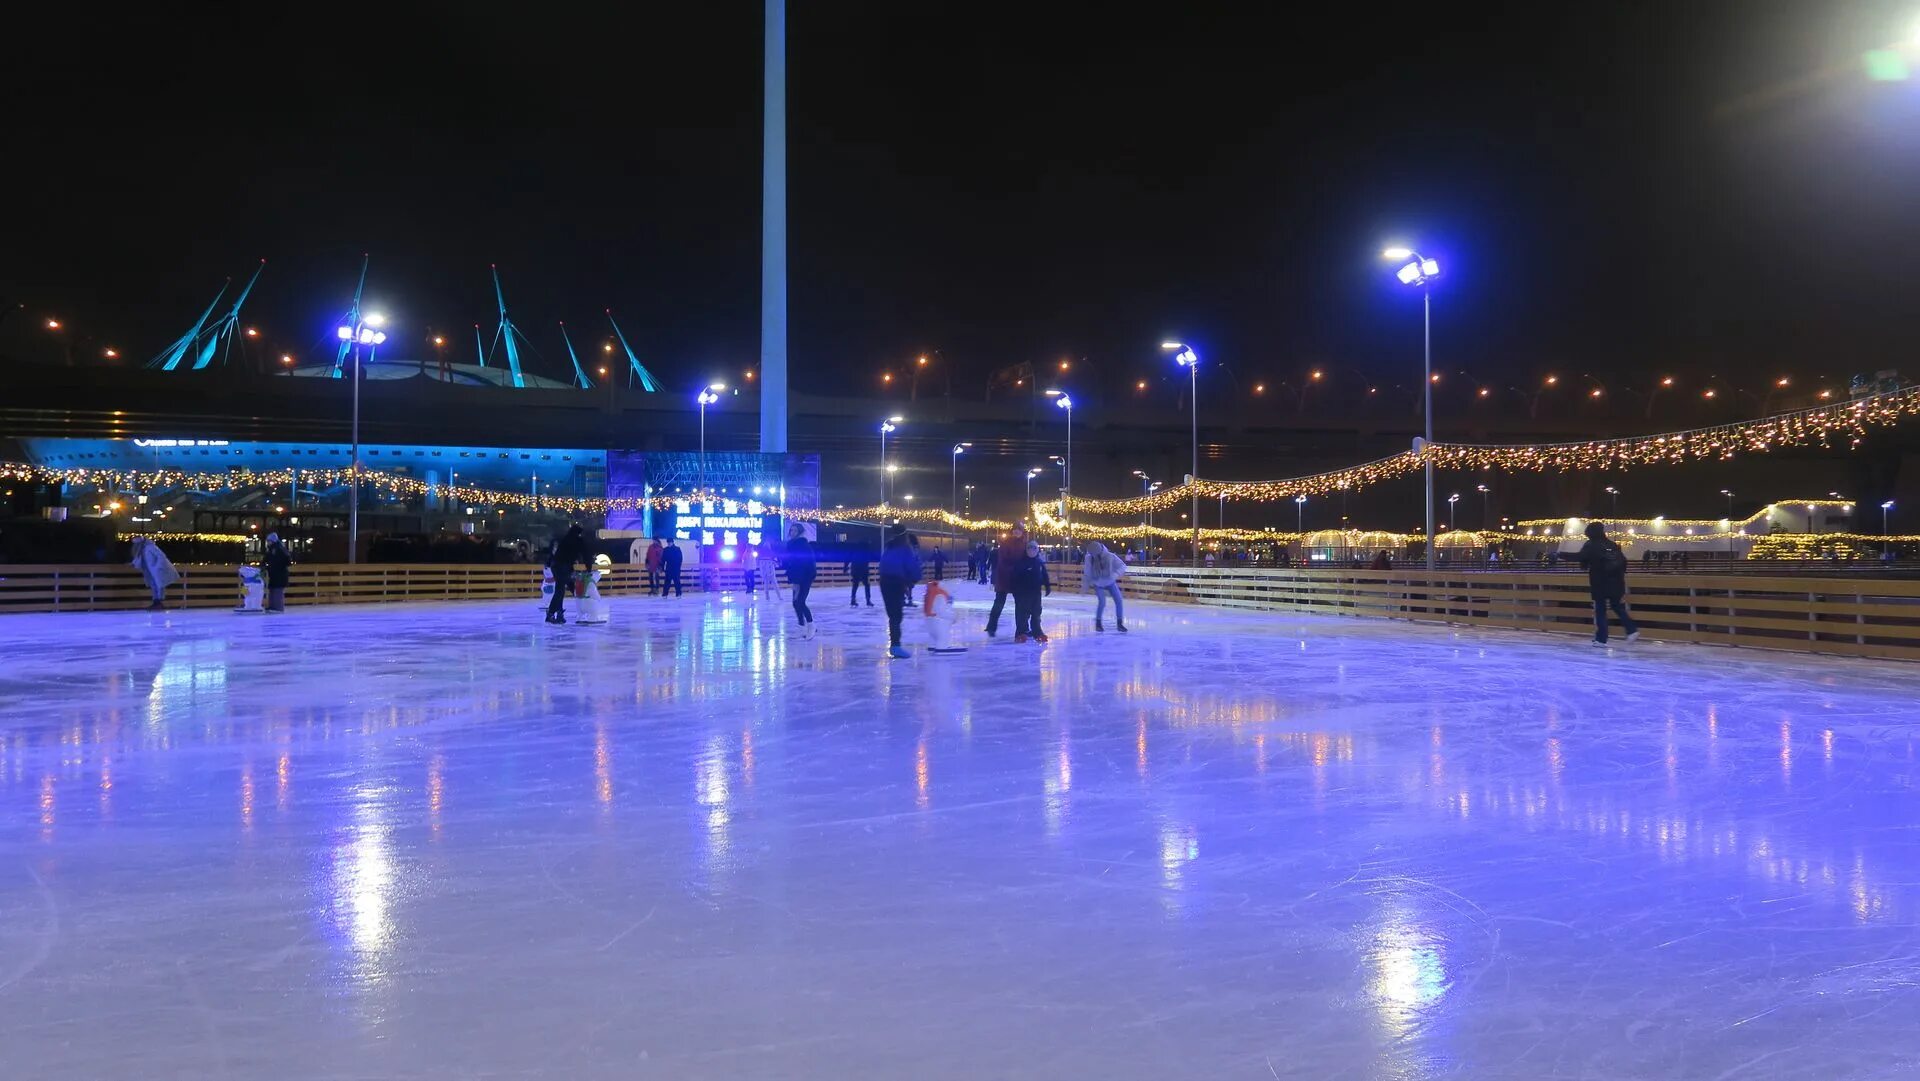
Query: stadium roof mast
(204, 340)
(579, 374)
(638, 370)
(352, 318)
(506, 333)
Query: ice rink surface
(448, 841)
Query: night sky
(1618, 189)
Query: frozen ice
(449, 841)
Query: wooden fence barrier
(1862, 616)
(95, 587)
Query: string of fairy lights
(1821, 425)
(1846, 423)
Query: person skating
(1607, 581)
(156, 568)
(801, 567)
(1012, 550)
(1101, 569)
(670, 559)
(279, 564)
(939, 564)
(973, 562)
(654, 554)
(899, 570)
(1030, 581)
(566, 552)
(860, 572)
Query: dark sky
(1614, 188)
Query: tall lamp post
(708, 395)
(969, 510)
(1884, 532)
(1065, 401)
(1420, 271)
(953, 489)
(364, 334)
(1188, 359)
(1300, 514)
(1615, 493)
(1483, 490)
(1453, 518)
(891, 424)
(1027, 507)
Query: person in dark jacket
(973, 562)
(800, 567)
(939, 564)
(279, 564)
(1012, 550)
(860, 572)
(655, 552)
(671, 557)
(1028, 580)
(1607, 580)
(570, 549)
(899, 570)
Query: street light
(1483, 490)
(366, 333)
(969, 490)
(1299, 514)
(1884, 508)
(1420, 271)
(953, 487)
(1065, 401)
(1146, 489)
(891, 424)
(1031, 473)
(1188, 359)
(708, 395)
(1615, 493)
(1452, 517)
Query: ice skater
(156, 568)
(860, 573)
(801, 567)
(1607, 580)
(566, 552)
(940, 564)
(1013, 548)
(899, 570)
(671, 558)
(654, 553)
(1101, 569)
(279, 567)
(1029, 581)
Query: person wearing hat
(1607, 581)
(899, 570)
(279, 562)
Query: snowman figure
(593, 609)
(252, 588)
(937, 604)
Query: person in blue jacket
(899, 570)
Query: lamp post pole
(363, 333)
(1421, 271)
(953, 486)
(708, 395)
(1185, 356)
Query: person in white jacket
(156, 568)
(1102, 570)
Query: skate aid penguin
(938, 606)
(252, 587)
(593, 609)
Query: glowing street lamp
(1031, 473)
(1184, 355)
(891, 424)
(368, 335)
(1451, 516)
(1065, 401)
(707, 396)
(1615, 493)
(1483, 490)
(1419, 272)
(1146, 489)
(1299, 514)
(1884, 508)
(953, 485)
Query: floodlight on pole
(1419, 271)
(1184, 355)
(364, 333)
(953, 491)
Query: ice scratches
(39, 942)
